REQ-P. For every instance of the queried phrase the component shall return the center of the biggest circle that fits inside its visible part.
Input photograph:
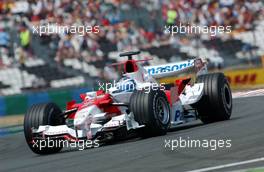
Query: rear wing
(171, 69)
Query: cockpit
(130, 66)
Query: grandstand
(30, 62)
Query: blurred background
(58, 67)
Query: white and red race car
(137, 102)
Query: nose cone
(84, 117)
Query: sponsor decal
(242, 79)
(245, 78)
(152, 70)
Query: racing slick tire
(42, 114)
(152, 110)
(216, 103)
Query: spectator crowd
(116, 31)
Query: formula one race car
(137, 102)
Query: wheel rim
(227, 96)
(162, 110)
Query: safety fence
(18, 104)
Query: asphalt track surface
(245, 129)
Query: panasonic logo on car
(172, 67)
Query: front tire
(216, 103)
(42, 114)
(152, 110)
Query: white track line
(228, 165)
(251, 93)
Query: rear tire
(152, 110)
(42, 114)
(216, 103)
